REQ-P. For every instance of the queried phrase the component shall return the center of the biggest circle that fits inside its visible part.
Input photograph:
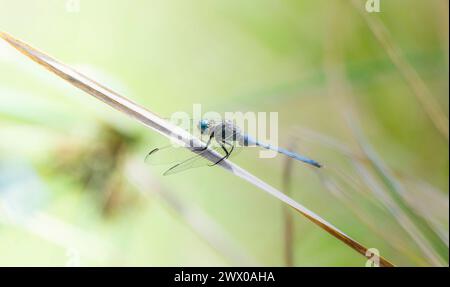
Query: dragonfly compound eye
(203, 125)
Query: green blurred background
(73, 186)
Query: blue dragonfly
(224, 137)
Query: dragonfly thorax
(226, 131)
(220, 130)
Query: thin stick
(287, 216)
(171, 131)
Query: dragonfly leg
(207, 144)
(227, 154)
(232, 148)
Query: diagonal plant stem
(392, 198)
(411, 76)
(348, 201)
(287, 216)
(171, 131)
(366, 155)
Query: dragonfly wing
(199, 160)
(193, 162)
(166, 155)
(173, 154)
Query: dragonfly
(227, 138)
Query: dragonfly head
(203, 126)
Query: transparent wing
(167, 155)
(193, 162)
(199, 161)
(170, 155)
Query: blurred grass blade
(393, 199)
(420, 197)
(199, 222)
(418, 86)
(420, 202)
(404, 221)
(349, 202)
(287, 216)
(171, 131)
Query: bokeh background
(353, 90)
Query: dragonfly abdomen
(250, 141)
(297, 156)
